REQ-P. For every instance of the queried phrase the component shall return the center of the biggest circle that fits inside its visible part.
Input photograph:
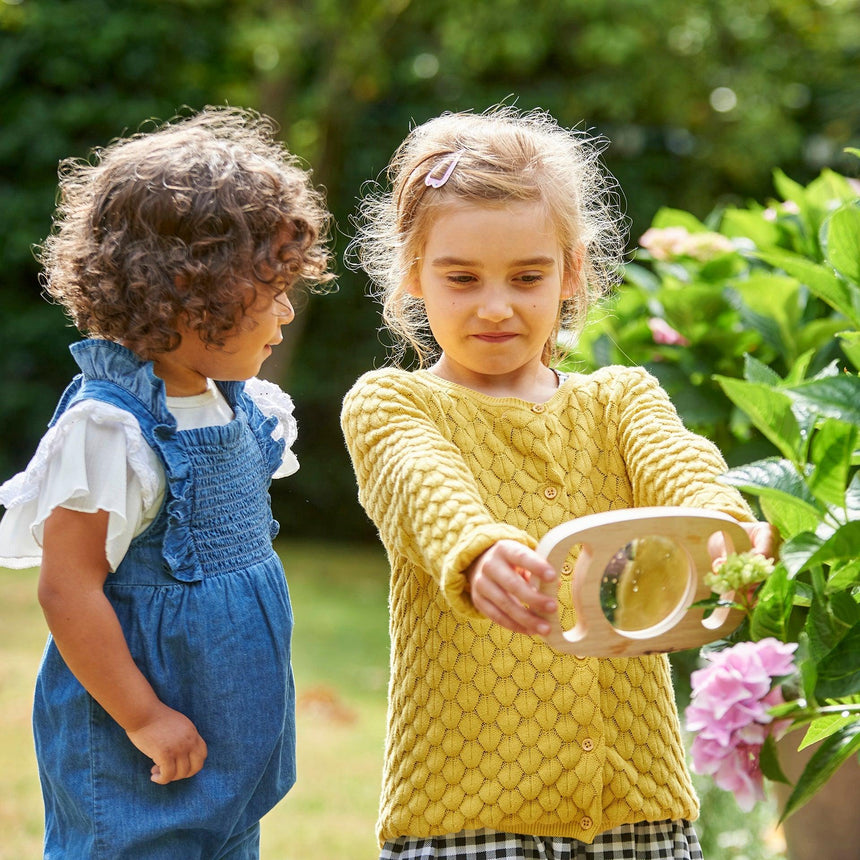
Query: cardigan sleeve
(667, 463)
(414, 483)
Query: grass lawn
(340, 657)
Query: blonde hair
(187, 221)
(501, 155)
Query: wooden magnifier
(637, 575)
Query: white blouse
(95, 458)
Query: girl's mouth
(495, 336)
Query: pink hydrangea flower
(662, 332)
(667, 243)
(729, 713)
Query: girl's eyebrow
(459, 261)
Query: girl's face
(492, 280)
(186, 368)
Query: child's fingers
(163, 773)
(518, 556)
(764, 538)
(506, 584)
(508, 613)
(506, 598)
(182, 767)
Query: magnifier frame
(601, 536)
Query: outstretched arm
(89, 637)
(416, 486)
(503, 587)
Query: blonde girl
(495, 234)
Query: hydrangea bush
(751, 320)
(731, 714)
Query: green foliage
(767, 337)
(679, 87)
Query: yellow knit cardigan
(489, 728)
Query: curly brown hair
(188, 221)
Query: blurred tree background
(700, 100)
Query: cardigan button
(550, 492)
(538, 408)
(567, 568)
(588, 744)
(586, 823)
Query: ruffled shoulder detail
(26, 486)
(275, 404)
(106, 360)
(93, 458)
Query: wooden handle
(600, 537)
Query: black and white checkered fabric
(645, 840)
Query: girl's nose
(283, 309)
(495, 306)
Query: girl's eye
(460, 279)
(529, 279)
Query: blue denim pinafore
(203, 603)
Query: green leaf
(850, 342)
(825, 761)
(844, 576)
(773, 607)
(832, 447)
(668, 217)
(640, 277)
(820, 281)
(798, 371)
(852, 498)
(769, 410)
(788, 188)
(839, 669)
(842, 545)
(695, 302)
(823, 727)
(822, 629)
(843, 242)
(834, 396)
(750, 225)
(844, 607)
(769, 762)
(818, 336)
(758, 371)
(796, 552)
(777, 482)
(772, 306)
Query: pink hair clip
(433, 182)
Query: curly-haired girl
(164, 707)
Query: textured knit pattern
(489, 728)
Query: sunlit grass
(340, 657)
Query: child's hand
(172, 742)
(764, 540)
(500, 580)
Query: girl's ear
(570, 279)
(412, 286)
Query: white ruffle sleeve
(94, 458)
(272, 401)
